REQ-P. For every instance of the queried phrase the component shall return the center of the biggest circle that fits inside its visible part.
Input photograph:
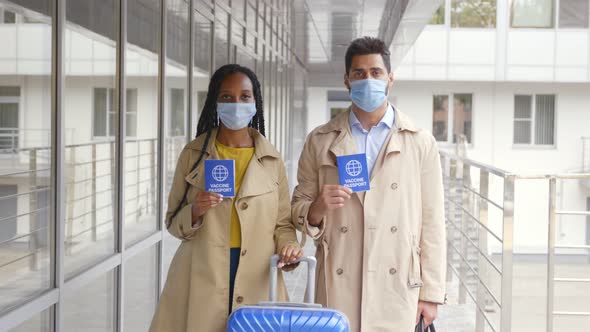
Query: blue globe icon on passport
(220, 173)
(353, 168)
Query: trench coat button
(344, 229)
(394, 186)
(240, 299)
(392, 271)
(244, 206)
(339, 271)
(393, 229)
(244, 252)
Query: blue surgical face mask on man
(368, 94)
(236, 116)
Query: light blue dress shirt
(370, 142)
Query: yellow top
(241, 157)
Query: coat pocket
(415, 275)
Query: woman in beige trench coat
(223, 260)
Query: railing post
(71, 199)
(465, 201)
(93, 197)
(507, 251)
(153, 175)
(551, 253)
(138, 180)
(33, 231)
(446, 169)
(484, 178)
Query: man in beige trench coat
(381, 253)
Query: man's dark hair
(364, 46)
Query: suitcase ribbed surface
(264, 319)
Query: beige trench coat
(196, 293)
(385, 249)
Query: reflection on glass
(92, 307)
(38, 323)
(201, 68)
(221, 50)
(472, 13)
(141, 139)
(25, 153)
(440, 116)
(462, 111)
(176, 86)
(532, 14)
(141, 288)
(90, 123)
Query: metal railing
(468, 201)
(466, 213)
(89, 181)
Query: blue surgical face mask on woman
(236, 116)
(368, 94)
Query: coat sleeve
(284, 233)
(433, 240)
(180, 224)
(306, 192)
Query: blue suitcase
(273, 316)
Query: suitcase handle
(311, 266)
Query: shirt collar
(387, 120)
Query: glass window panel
(202, 44)
(141, 141)
(544, 119)
(246, 59)
(221, 50)
(131, 112)
(238, 32)
(9, 91)
(38, 323)
(25, 155)
(141, 289)
(92, 307)
(522, 132)
(238, 8)
(177, 115)
(176, 82)
(532, 14)
(251, 16)
(100, 112)
(440, 117)
(90, 59)
(201, 68)
(574, 13)
(438, 18)
(473, 13)
(522, 106)
(9, 17)
(462, 113)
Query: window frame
(110, 93)
(533, 144)
(16, 99)
(451, 117)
